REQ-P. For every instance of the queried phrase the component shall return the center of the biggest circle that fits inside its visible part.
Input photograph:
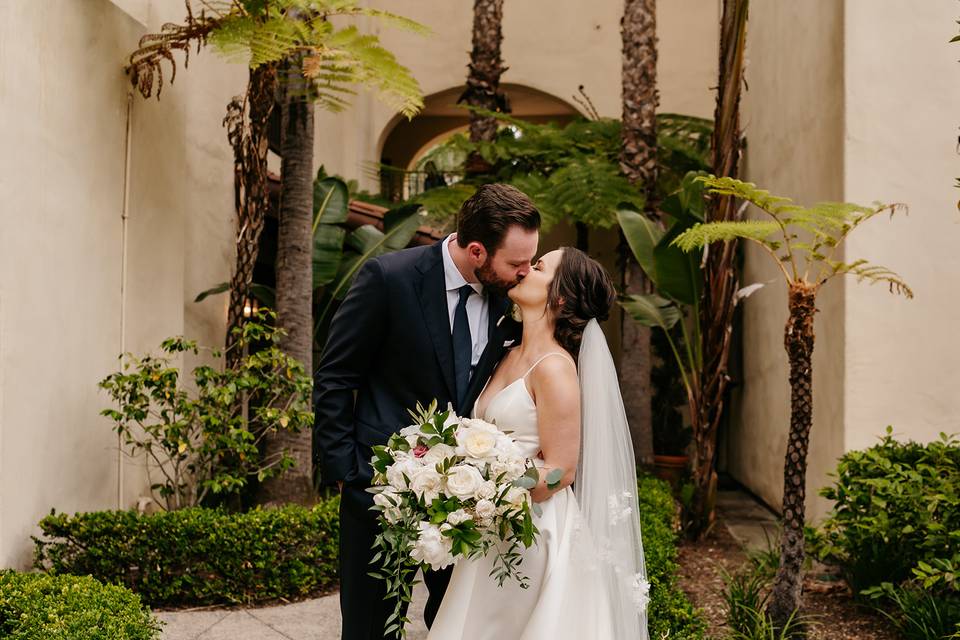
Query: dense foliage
(895, 531)
(670, 614)
(199, 556)
(36, 605)
(203, 441)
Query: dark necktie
(462, 345)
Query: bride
(558, 394)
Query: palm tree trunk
(720, 277)
(483, 81)
(638, 162)
(798, 341)
(295, 272)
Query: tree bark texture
(720, 276)
(638, 162)
(295, 272)
(486, 67)
(798, 341)
(247, 120)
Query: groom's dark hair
(488, 214)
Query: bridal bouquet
(445, 488)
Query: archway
(403, 141)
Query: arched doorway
(403, 142)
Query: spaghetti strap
(542, 358)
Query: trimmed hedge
(202, 556)
(199, 556)
(671, 614)
(36, 605)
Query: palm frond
(700, 235)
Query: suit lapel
(433, 302)
(497, 333)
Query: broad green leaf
(678, 273)
(652, 310)
(327, 253)
(220, 288)
(331, 201)
(642, 234)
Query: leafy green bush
(36, 605)
(895, 532)
(199, 556)
(205, 443)
(670, 614)
(896, 504)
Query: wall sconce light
(250, 307)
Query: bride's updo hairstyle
(580, 291)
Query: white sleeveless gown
(562, 601)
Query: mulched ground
(825, 598)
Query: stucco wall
(793, 120)
(63, 120)
(902, 90)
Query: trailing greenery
(199, 556)
(670, 614)
(204, 443)
(571, 171)
(895, 531)
(36, 605)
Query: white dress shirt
(478, 310)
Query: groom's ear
(477, 252)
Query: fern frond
(442, 204)
(774, 205)
(700, 235)
(863, 270)
(590, 191)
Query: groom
(420, 324)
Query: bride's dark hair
(580, 291)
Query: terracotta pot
(670, 468)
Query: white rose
(485, 509)
(412, 430)
(458, 517)
(463, 481)
(438, 453)
(480, 425)
(486, 491)
(432, 547)
(476, 443)
(396, 472)
(426, 483)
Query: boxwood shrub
(199, 556)
(36, 605)
(670, 614)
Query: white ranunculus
(486, 491)
(389, 500)
(476, 443)
(432, 547)
(485, 509)
(438, 453)
(463, 481)
(426, 483)
(412, 430)
(412, 440)
(396, 472)
(458, 517)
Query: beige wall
(901, 355)
(63, 120)
(550, 45)
(793, 120)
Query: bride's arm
(556, 392)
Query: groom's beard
(492, 283)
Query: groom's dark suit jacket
(390, 341)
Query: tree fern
(260, 32)
(808, 237)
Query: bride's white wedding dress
(569, 596)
